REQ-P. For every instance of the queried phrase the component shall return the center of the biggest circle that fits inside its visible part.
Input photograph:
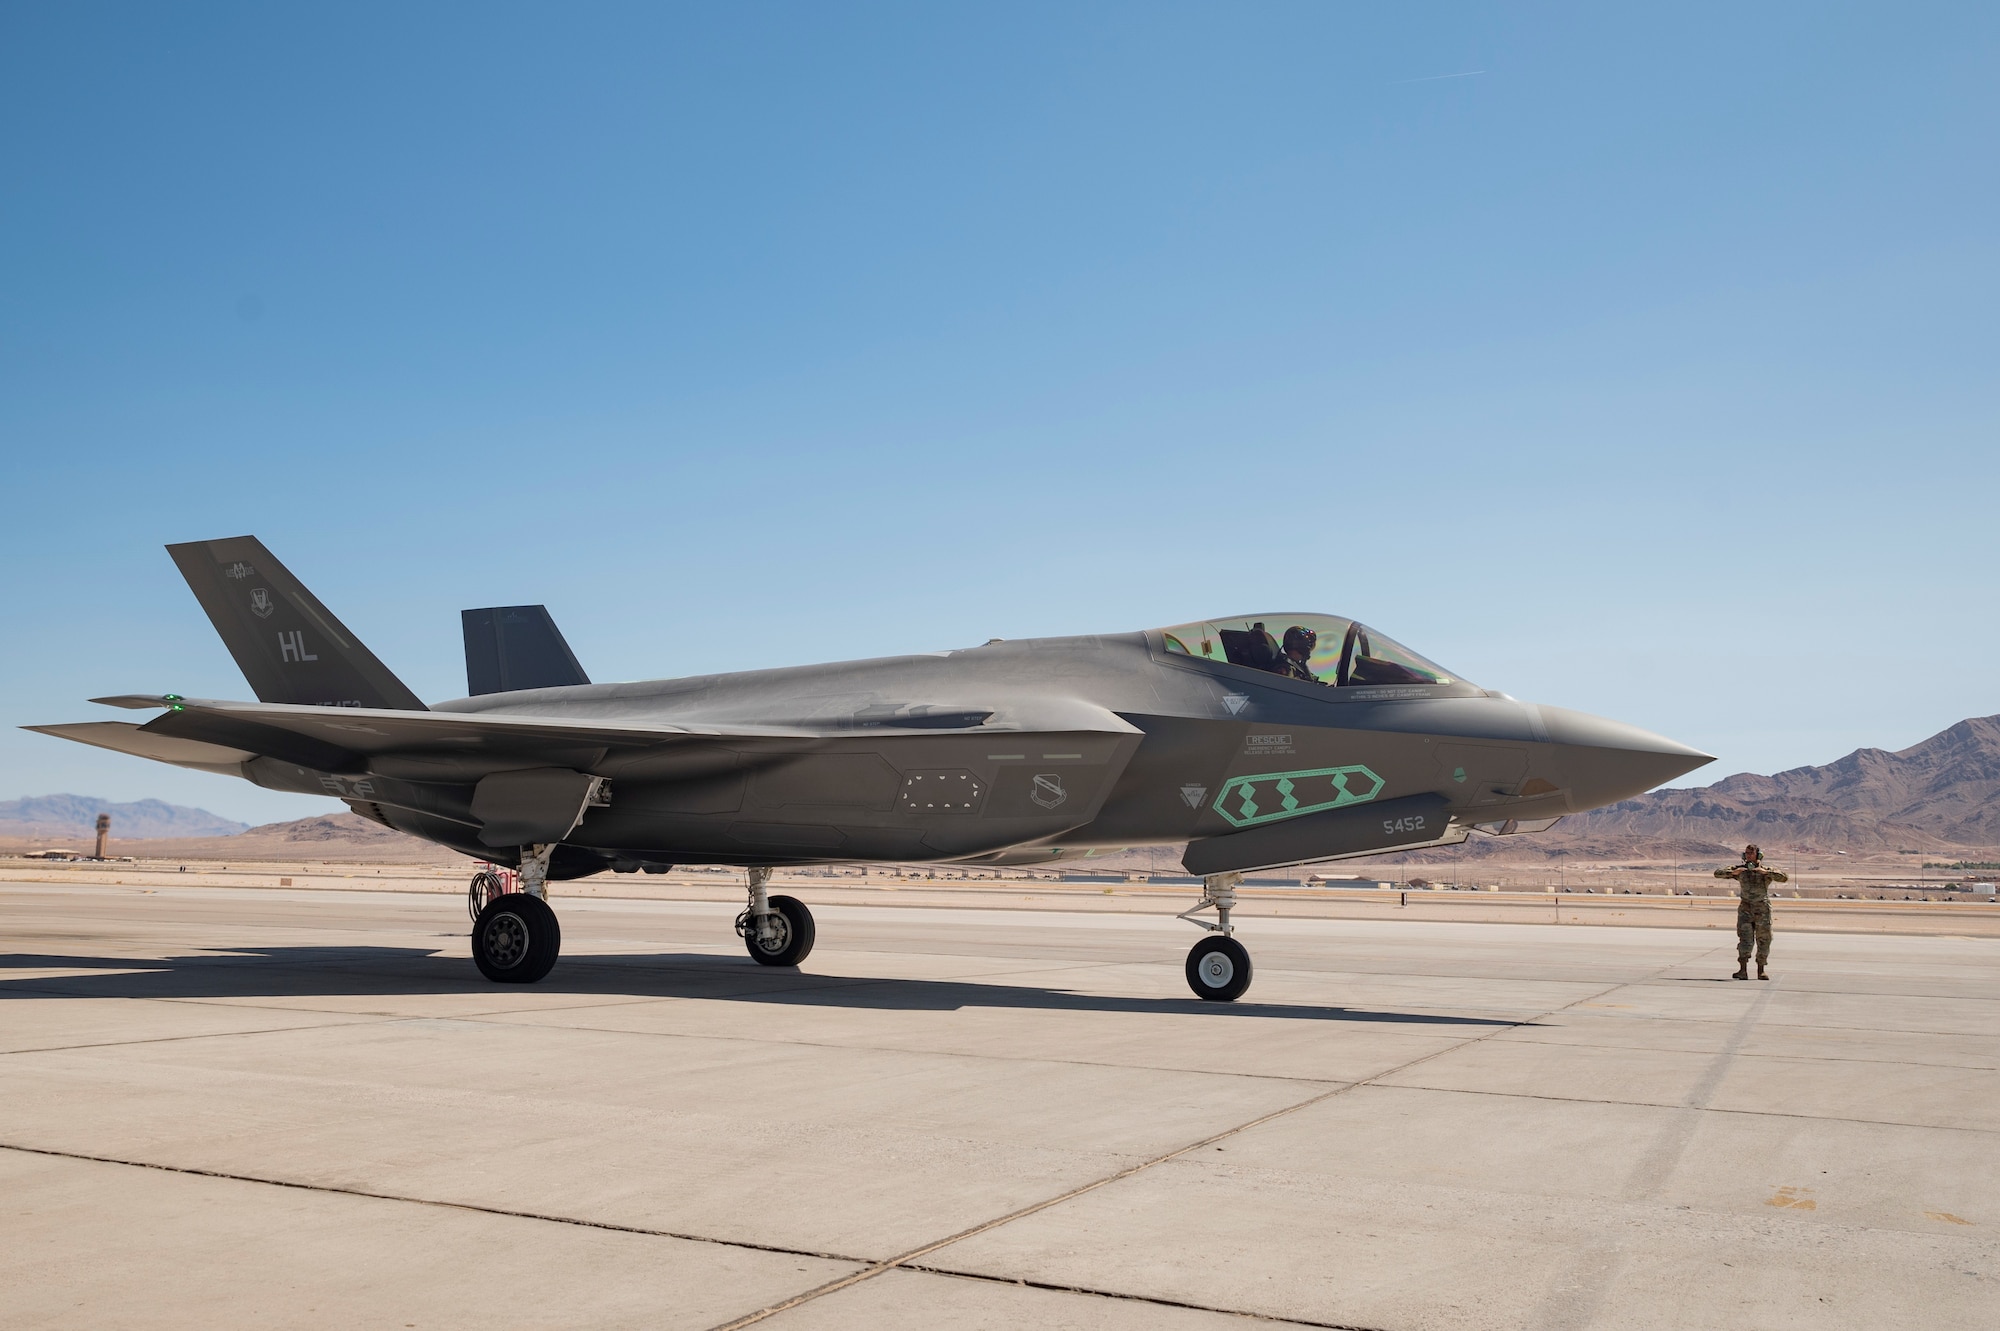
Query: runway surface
(229, 1107)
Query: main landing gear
(515, 936)
(778, 931)
(1218, 967)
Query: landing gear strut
(1218, 967)
(778, 931)
(515, 936)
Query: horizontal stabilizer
(124, 737)
(288, 645)
(511, 647)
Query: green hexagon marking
(1297, 793)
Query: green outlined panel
(1246, 801)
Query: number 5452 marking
(1413, 823)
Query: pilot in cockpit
(1299, 644)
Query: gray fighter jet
(1255, 741)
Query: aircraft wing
(222, 734)
(521, 779)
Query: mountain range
(75, 816)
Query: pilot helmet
(1300, 639)
(1751, 854)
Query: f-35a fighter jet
(1256, 741)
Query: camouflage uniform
(1292, 668)
(1753, 909)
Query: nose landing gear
(1218, 968)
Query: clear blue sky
(1640, 360)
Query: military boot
(1760, 972)
(1742, 971)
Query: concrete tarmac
(230, 1107)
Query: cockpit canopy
(1320, 649)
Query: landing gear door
(1476, 774)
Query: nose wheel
(1218, 969)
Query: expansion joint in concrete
(1092, 1292)
(367, 1195)
(910, 1261)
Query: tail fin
(510, 647)
(288, 645)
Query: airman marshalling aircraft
(1257, 741)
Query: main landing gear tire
(515, 939)
(1218, 969)
(791, 936)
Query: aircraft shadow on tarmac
(348, 972)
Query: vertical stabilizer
(509, 647)
(288, 645)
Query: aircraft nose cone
(1607, 761)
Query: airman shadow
(360, 972)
